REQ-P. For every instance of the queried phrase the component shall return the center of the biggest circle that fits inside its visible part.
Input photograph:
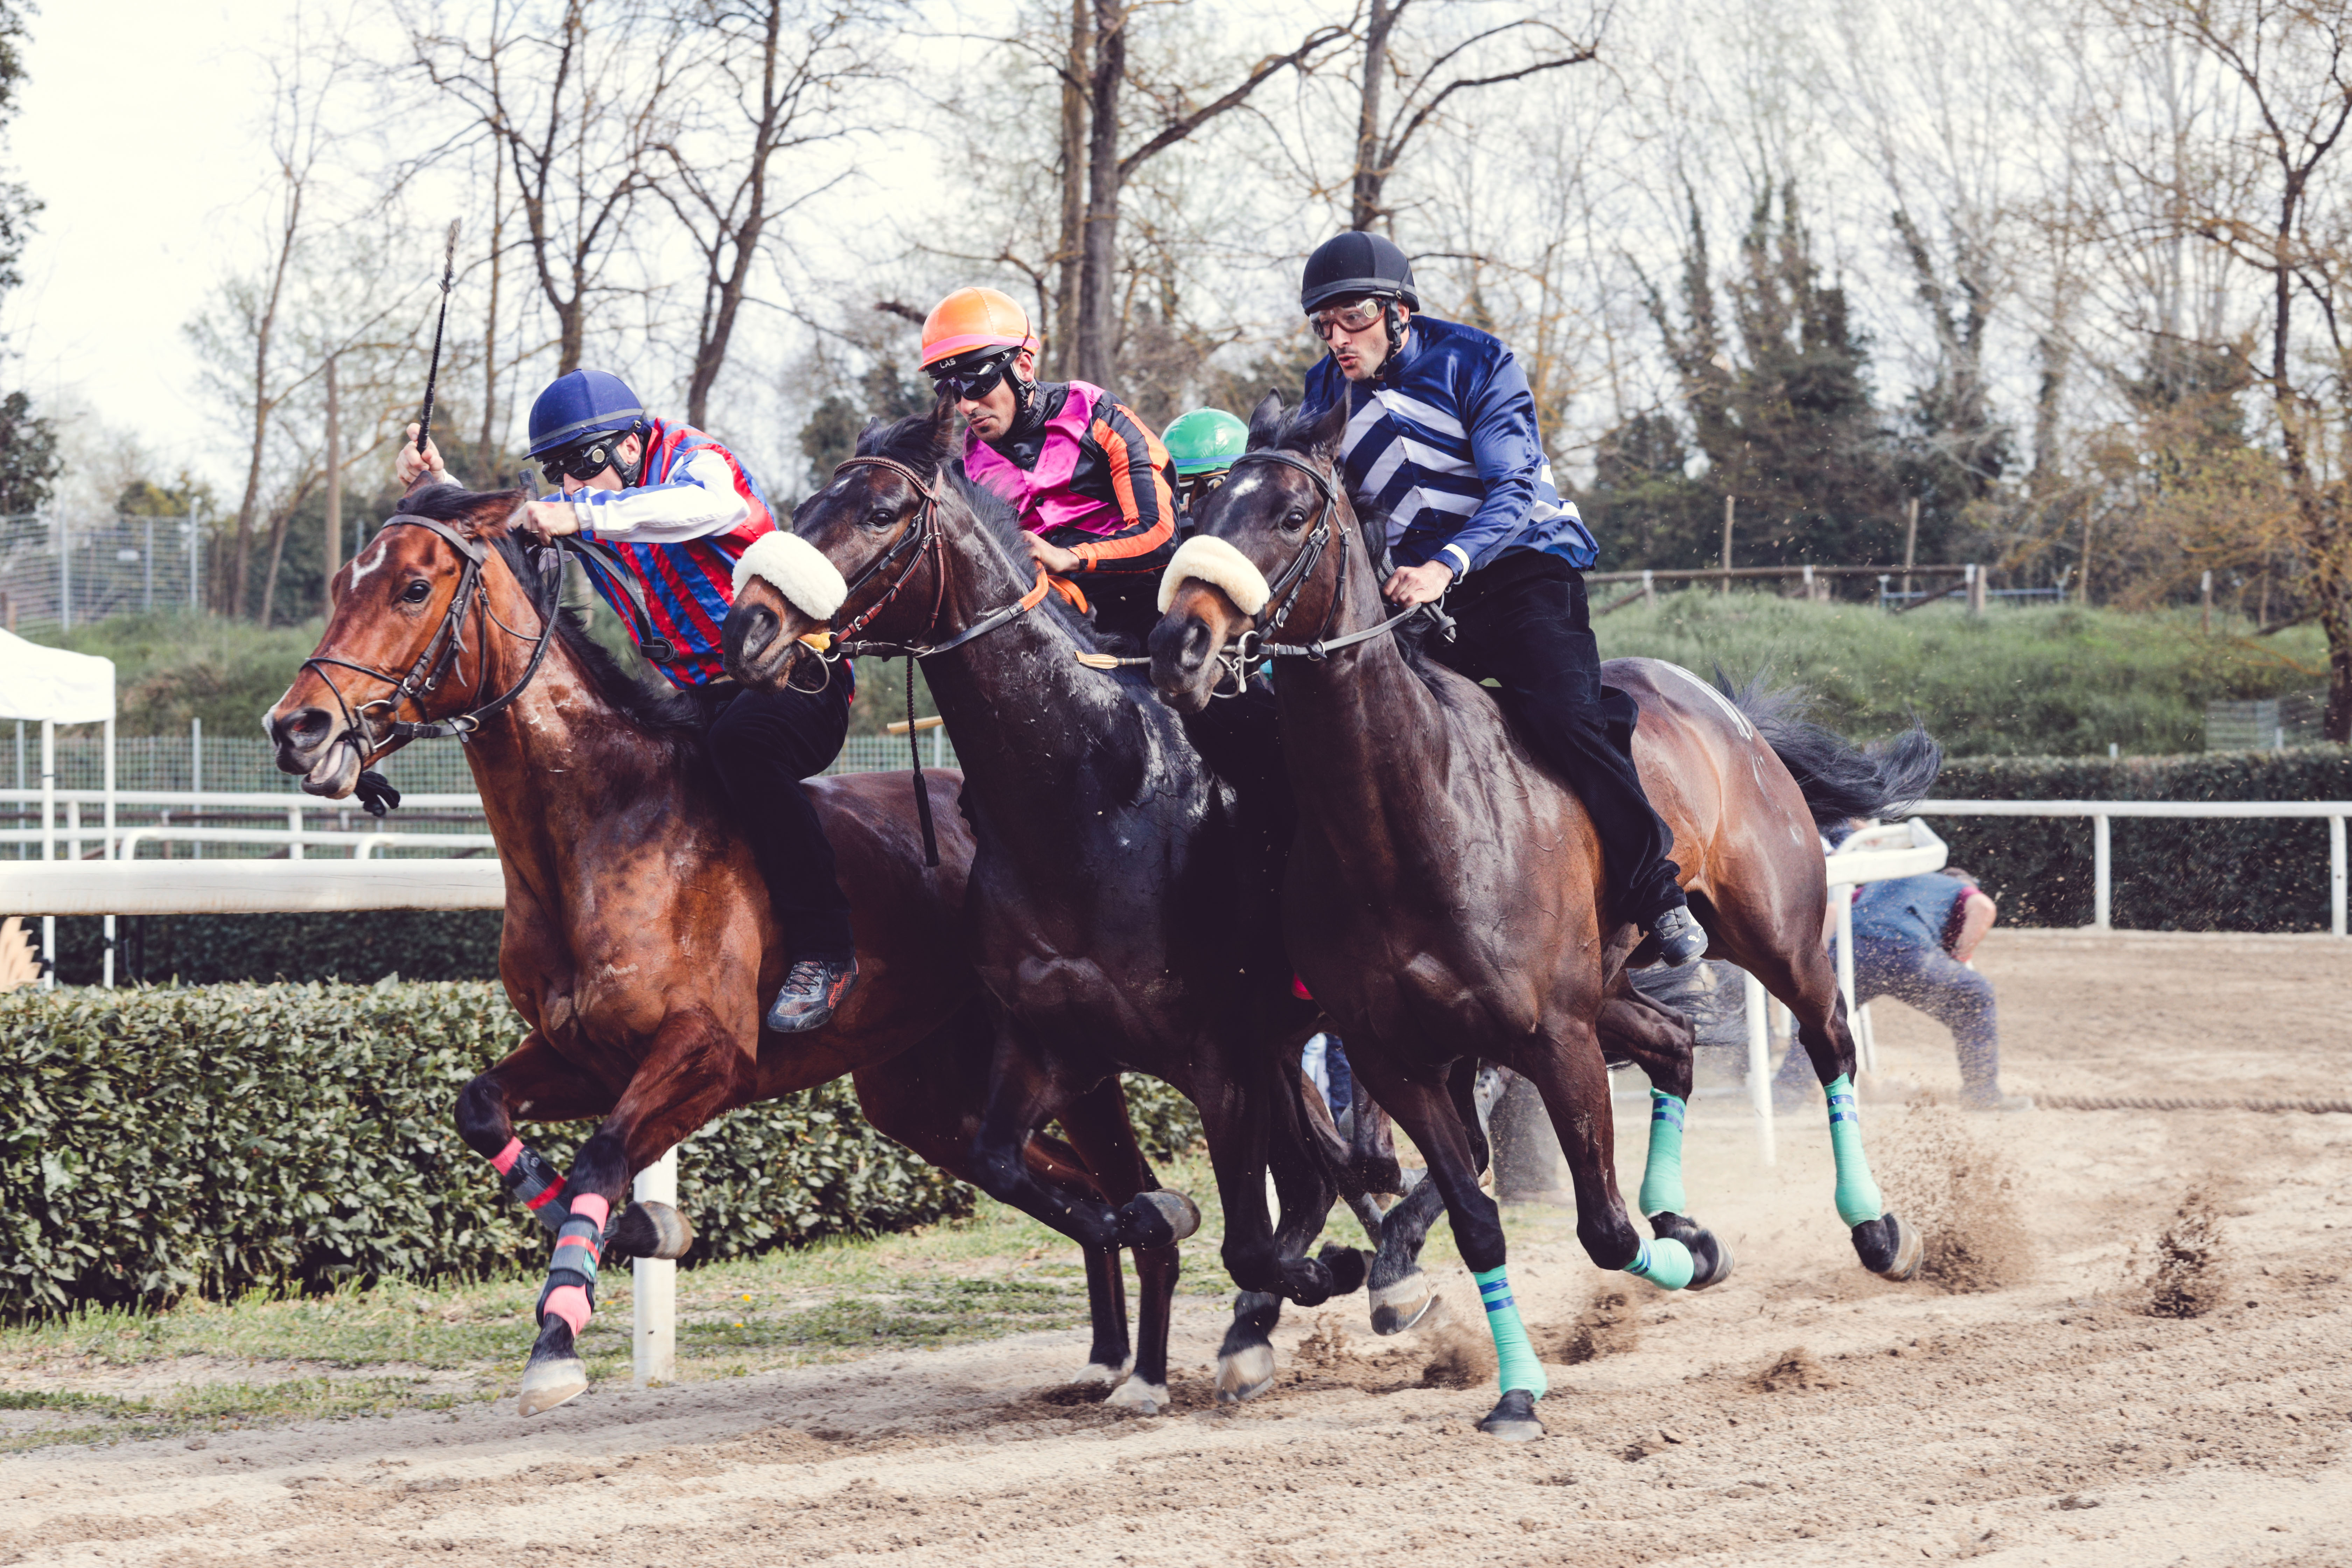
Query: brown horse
(638, 942)
(1444, 896)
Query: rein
(1282, 591)
(379, 733)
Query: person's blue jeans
(1937, 984)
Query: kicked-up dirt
(2137, 1349)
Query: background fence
(59, 570)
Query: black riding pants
(1523, 621)
(763, 743)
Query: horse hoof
(1159, 1219)
(1714, 1259)
(1890, 1248)
(1513, 1419)
(1403, 1305)
(651, 1230)
(1102, 1373)
(550, 1382)
(1244, 1374)
(1349, 1267)
(1142, 1398)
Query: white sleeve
(698, 500)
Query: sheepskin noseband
(1219, 565)
(796, 569)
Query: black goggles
(971, 380)
(585, 461)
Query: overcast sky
(139, 133)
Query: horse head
(395, 647)
(1264, 553)
(863, 558)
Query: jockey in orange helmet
(1088, 480)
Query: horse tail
(1840, 780)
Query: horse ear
(943, 421)
(1323, 439)
(1265, 419)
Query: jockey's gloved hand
(376, 794)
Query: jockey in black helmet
(668, 515)
(1441, 439)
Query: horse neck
(537, 762)
(1036, 733)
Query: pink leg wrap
(569, 1302)
(589, 1206)
(503, 1160)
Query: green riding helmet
(1205, 441)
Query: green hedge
(213, 950)
(159, 1141)
(2169, 874)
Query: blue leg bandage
(1858, 1201)
(1516, 1364)
(1665, 1263)
(1662, 1177)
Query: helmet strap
(630, 470)
(1396, 336)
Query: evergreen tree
(885, 394)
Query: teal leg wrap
(1858, 1201)
(1517, 1367)
(1661, 1178)
(1665, 1263)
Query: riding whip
(433, 371)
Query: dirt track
(2043, 1421)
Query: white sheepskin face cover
(796, 569)
(1218, 564)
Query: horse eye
(881, 516)
(418, 592)
(1294, 518)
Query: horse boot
(1663, 1201)
(1887, 1248)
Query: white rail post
(1760, 1067)
(49, 847)
(2102, 878)
(2335, 875)
(294, 826)
(1865, 1053)
(653, 1301)
(196, 781)
(106, 850)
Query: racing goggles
(585, 461)
(1352, 317)
(972, 380)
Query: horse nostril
(304, 727)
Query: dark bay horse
(1123, 905)
(638, 942)
(1444, 893)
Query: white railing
(2101, 811)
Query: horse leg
(1305, 1162)
(1098, 1126)
(1799, 972)
(536, 1082)
(1661, 1043)
(695, 1070)
(1430, 1116)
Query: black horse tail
(1840, 780)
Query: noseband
(376, 722)
(1282, 594)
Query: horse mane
(915, 441)
(668, 717)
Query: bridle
(921, 541)
(1282, 592)
(376, 724)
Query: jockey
(664, 514)
(1203, 445)
(1441, 440)
(1087, 478)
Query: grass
(107, 1375)
(2030, 680)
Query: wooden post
(1975, 590)
(1649, 590)
(1910, 544)
(2205, 600)
(2085, 590)
(1730, 503)
(334, 558)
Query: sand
(2026, 1405)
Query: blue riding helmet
(582, 403)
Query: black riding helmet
(1353, 264)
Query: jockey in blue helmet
(664, 513)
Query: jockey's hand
(546, 520)
(1052, 557)
(1419, 584)
(408, 465)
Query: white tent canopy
(50, 683)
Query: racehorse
(1122, 906)
(638, 943)
(1443, 895)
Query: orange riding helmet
(974, 320)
